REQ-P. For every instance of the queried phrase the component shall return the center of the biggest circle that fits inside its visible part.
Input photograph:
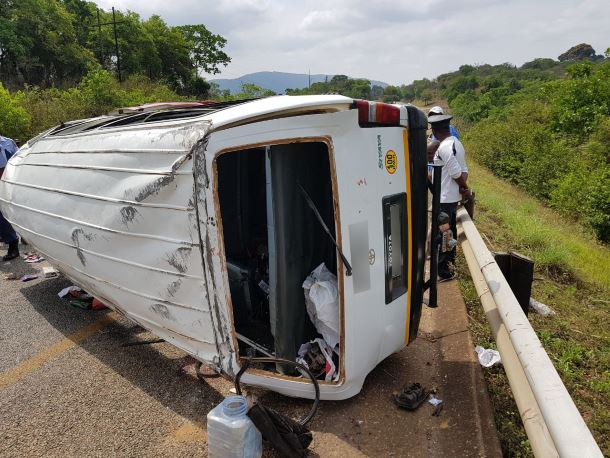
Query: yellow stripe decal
(35, 362)
(405, 141)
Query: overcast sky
(389, 40)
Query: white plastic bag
(322, 302)
(487, 356)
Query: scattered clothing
(32, 258)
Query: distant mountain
(276, 81)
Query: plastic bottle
(231, 434)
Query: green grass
(553, 241)
(572, 276)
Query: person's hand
(466, 194)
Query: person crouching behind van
(453, 183)
(7, 233)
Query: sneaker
(13, 251)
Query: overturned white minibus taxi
(201, 223)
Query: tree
(376, 92)
(391, 94)
(43, 48)
(205, 48)
(578, 52)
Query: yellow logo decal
(391, 161)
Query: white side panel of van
(114, 211)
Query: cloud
(387, 40)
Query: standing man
(435, 111)
(7, 233)
(453, 183)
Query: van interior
(273, 240)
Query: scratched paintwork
(130, 213)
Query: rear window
(396, 247)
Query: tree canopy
(53, 43)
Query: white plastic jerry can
(231, 434)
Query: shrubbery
(28, 112)
(551, 138)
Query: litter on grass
(487, 356)
(540, 308)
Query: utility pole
(99, 34)
(116, 41)
(309, 78)
(116, 46)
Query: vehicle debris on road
(67, 290)
(32, 257)
(50, 272)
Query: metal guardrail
(552, 422)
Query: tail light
(377, 113)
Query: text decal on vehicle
(391, 161)
(379, 153)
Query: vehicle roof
(281, 104)
(220, 114)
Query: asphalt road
(68, 387)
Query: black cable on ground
(303, 368)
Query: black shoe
(13, 251)
(411, 397)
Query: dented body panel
(131, 214)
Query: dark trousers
(7, 233)
(446, 260)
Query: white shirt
(453, 166)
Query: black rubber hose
(246, 365)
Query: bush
(97, 94)
(14, 119)
(551, 138)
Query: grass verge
(573, 277)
